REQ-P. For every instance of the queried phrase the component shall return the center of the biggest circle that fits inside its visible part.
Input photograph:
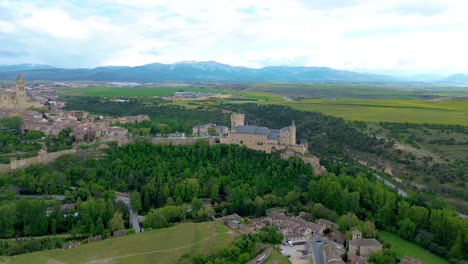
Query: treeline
(36, 217)
(174, 118)
(171, 183)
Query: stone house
(363, 247)
(331, 255)
(295, 229)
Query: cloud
(405, 35)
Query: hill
(457, 78)
(164, 245)
(196, 72)
(24, 67)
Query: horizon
(401, 38)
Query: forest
(172, 183)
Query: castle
(17, 100)
(262, 138)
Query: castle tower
(21, 99)
(292, 131)
(237, 120)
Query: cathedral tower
(21, 99)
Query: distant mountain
(192, 71)
(457, 78)
(24, 67)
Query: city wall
(39, 159)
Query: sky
(399, 37)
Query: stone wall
(5, 168)
(39, 159)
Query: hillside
(208, 71)
(164, 245)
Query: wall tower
(237, 120)
(292, 131)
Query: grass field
(454, 112)
(106, 91)
(404, 248)
(156, 246)
(277, 258)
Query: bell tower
(21, 99)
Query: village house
(332, 256)
(363, 247)
(294, 229)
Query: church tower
(292, 131)
(21, 99)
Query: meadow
(404, 248)
(167, 245)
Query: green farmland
(158, 246)
(451, 112)
(106, 91)
(404, 248)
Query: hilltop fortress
(262, 138)
(18, 99)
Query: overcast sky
(385, 36)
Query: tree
(214, 194)
(369, 230)
(116, 222)
(155, 220)
(407, 228)
(347, 221)
(384, 257)
(135, 200)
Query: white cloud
(406, 35)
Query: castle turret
(21, 99)
(292, 131)
(237, 120)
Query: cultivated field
(453, 112)
(157, 246)
(404, 248)
(105, 91)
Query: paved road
(391, 185)
(38, 196)
(133, 215)
(316, 249)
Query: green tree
(155, 220)
(116, 222)
(135, 200)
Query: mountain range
(207, 71)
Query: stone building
(362, 246)
(262, 138)
(294, 229)
(18, 99)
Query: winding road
(133, 214)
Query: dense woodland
(170, 182)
